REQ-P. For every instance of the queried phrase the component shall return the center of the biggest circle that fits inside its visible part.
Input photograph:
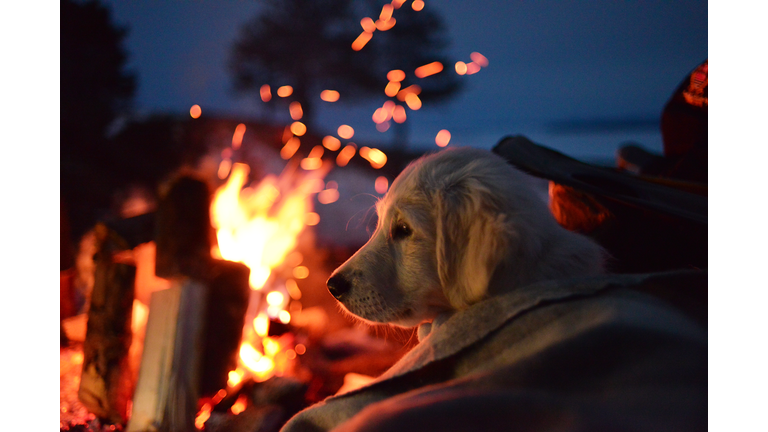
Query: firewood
(183, 231)
(106, 384)
(168, 387)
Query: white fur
(476, 229)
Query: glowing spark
(461, 68)
(473, 68)
(237, 138)
(266, 93)
(343, 158)
(382, 127)
(195, 111)
(398, 115)
(293, 289)
(310, 163)
(289, 149)
(203, 416)
(331, 143)
(311, 219)
(298, 128)
(368, 25)
(295, 110)
(346, 131)
(417, 5)
(392, 88)
(361, 40)
(316, 152)
(301, 272)
(385, 25)
(413, 101)
(239, 405)
(234, 377)
(428, 69)
(224, 168)
(396, 75)
(381, 184)
(479, 59)
(300, 349)
(404, 92)
(326, 197)
(379, 116)
(386, 12)
(397, 3)
(443, 138)
(285, 91)
(376, 157)
(329, 95)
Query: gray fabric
(568, 355)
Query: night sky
(558, 70)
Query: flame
(195, 111)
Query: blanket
(568, 355)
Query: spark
(417, 5)
(237, 138)
(398, 115)
(381, 184)
(285, 91)
(296, 111)
(298, 128)
(461, 68)
(368, 25)
(329, 95)
(392, 88)
(443, 138)
(385, 25)
(195, 111)
(346, 131)
(396, 75)
(479, 59)
(413, 101)
(266, 93)
(473, 68)
(361, 40)
(331, 143)
(428, 69)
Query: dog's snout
(338, 285)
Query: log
(107, 379)
(183, 231)
(168, 386)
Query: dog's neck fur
(560, 255)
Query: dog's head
(446, 224)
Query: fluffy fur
(455, 227)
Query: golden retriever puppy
(455, 227)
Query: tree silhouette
(308, 45)
(95, 89)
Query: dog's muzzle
(338, 285)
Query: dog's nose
(338, 285)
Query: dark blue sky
(550, 62)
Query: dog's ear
(471, 240)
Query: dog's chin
(377, 313)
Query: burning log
(107, 379)
(194, 328)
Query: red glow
(195, 111)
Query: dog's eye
(400, 230)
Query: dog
(456, 227)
